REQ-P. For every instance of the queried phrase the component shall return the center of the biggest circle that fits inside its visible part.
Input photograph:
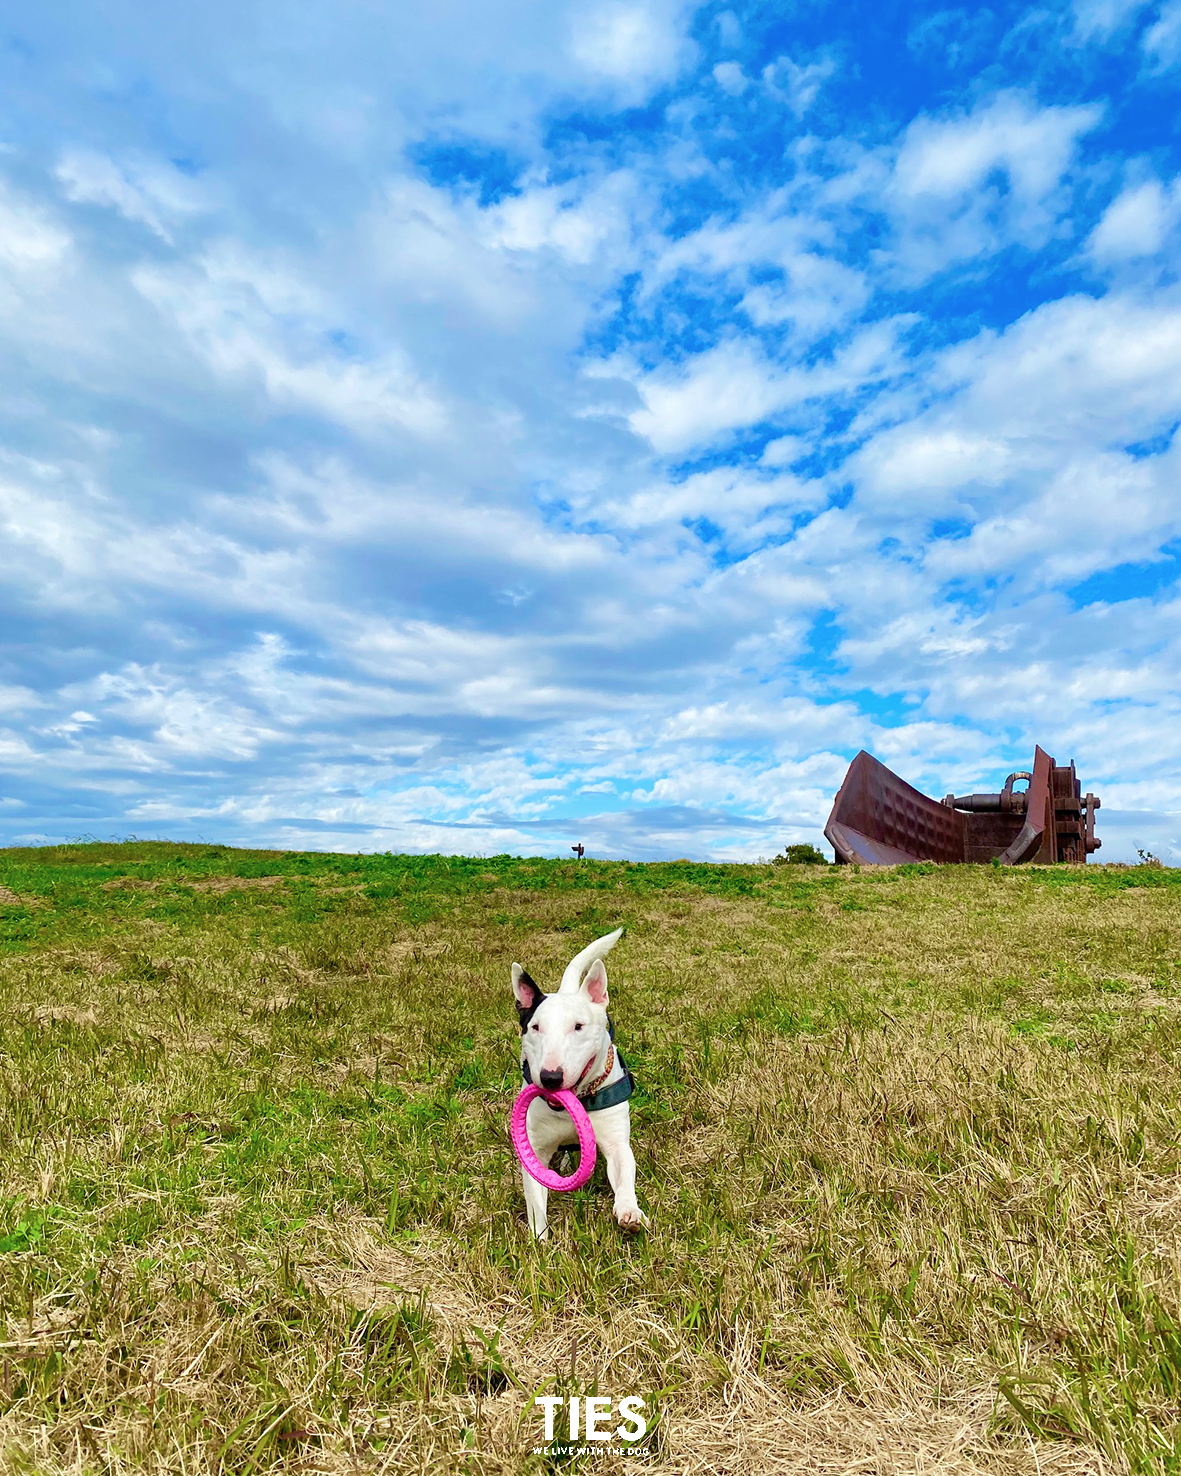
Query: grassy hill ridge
(909, 1141)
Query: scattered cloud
(964, 187)
(1162, 40)
(1099, 20)
(630, 46)
(1137, 223)
(731, 78)
(524, 426)
(797, 84)
(31, 242)
(146, 191)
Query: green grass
(910, 1141)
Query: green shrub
(805, 854)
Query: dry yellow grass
(908, 1141)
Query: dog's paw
(632, 1219)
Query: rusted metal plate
(1030, 841)
(878, 819)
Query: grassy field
(910, 1142)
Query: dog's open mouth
(556, 1081)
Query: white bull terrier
(567, 1043)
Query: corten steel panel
(1090, 844)
(850, 845)
(1031, 842)
(989, 835)
(878, 819)
(1070, 837)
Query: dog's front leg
(536, 1199)
(621, 1170)
(614, 1135)
(544, 1134)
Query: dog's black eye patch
(525, 1013)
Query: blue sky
(521, 424)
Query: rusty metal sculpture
(879, 820)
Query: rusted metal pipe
(989, 804)
(1008, 801)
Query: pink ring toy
(587, 1147)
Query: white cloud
(1027, 451)
(1121, 510)
(1162, 40)
(729, 28)
(783, 451)
(18, 699)
(963, 187)
(230, 311)
(917, 466)
(1136, 223)
(345, 513)
(1031, 146)
(727, 387)
(731, 78)
(1104, 369)
(192, 724)
(797, 85)
(1098, 20)
(734, 385)
(30, 240)
(782, 254)
(816, 294)
(576, 223)
(142, 190)
(633, 46)
(728, 496)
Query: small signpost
(579, 850)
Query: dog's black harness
(608, 1096)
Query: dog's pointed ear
(528, 994)
(595, 983)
